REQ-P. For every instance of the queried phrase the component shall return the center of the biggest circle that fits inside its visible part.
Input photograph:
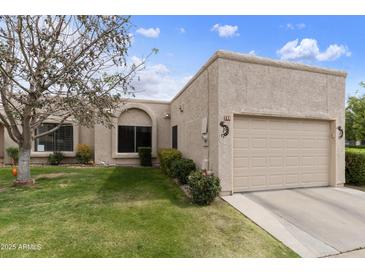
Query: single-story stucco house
(256, 123)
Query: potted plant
(13, 154)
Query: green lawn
(121, 212)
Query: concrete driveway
(314, 222)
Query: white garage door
(276, 153)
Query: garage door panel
(241, 171)
(241, 162)
(276, 180)
(315, 161)
(258, 142)
(276, 143)
(254, 152)
(243, 124)
(314, 169)
(241, 142)
(276, 161)
(292, 142)
(241, 181)
(259, 180)
(258, 123)
(314, 177)
(258, 162)
(240, 153)
(315, 152)
(291, 161)
(293, 152)
(291, 179)
(274, 153)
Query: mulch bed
(184, 188)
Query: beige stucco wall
(86, 136)
(136, 114)
(133, 117)
(198, 101)
(274, 89)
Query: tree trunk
(23, 176)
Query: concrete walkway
(314, 222)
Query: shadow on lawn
(128, 184)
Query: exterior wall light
(340, 129)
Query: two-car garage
(263, 124)
(276, 153)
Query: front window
(59, 140)
(130, 138)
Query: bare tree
(61, 66)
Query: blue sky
(186, 42)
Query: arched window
(134, 131)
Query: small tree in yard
(355, 117)
(61, 67)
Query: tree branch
(53, 129)
(8, 127)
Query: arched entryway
(134, 126)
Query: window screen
(59, 140)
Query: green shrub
(145, 156)
(355, 166)
(55, 158)
(204, 188)
(83, 154)
(359, 147)
(13, 153)
(181, 169)
(166, 157)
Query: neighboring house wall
(196, 103)
(254, 86)
(137, 113)
(87, 136)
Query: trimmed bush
(355, 166)
(204, 188)
(181, 169)
(145, 156)
(55, 158)
(166, 157)
(83, 154)
(13, 153)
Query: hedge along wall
(355, 166)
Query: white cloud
(226, 30)
(182, 30)
(333, 52)
(252, 52)
(150, 33)
(308, 49)
(157, 81)
(299, 26)
(136, 60)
